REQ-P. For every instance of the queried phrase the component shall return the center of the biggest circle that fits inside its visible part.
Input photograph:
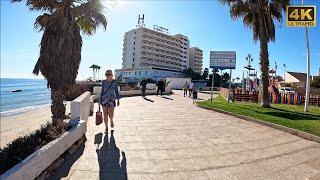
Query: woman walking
(109, 95)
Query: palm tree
(259, 15)
(61, 43)
(95, 68)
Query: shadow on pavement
(64, 169)
(166, 98)
(112, 162)
(145, 98)
(98, 140)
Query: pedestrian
(190, 88)
(185, 89)
(143, 84)
(160, 87)
(108, 97)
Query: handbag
(99, 118)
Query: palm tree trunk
(58, 109)
(264, 65)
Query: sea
(34, 94)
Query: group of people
(161, 87)
(110, 97)
(187, 87)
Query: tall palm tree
(259, 15)
(61, 43)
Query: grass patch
(291, 116)
(22, 147)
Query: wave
(14, 112)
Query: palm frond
(89, 16)
(42, 21)
(41, 5)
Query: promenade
(170, 138)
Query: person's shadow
(113, 165)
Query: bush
(22, 147)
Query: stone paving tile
(173, 139)
(194, 175)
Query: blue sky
(207, 24)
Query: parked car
(286, 90)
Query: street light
(284, 77)
(249, 59)
(308, 70)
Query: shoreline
(19, 111)
(12, 127)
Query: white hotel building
(195, 59)
(153, 54)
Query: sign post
(222, 60)
(212, 81)
(303, 16)
(229, 85)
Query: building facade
(296, 79)
(195, 59)
(152, 54)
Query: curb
(295, 132)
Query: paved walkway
(169, 138)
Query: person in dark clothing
(143, 84)
(160, 87)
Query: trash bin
(195, 94)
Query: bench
(312, 101)
(245, 97)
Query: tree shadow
(113, 165)
(145, 98)
(63, 169)
(292, 115)
(281, 113)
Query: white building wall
(290, 79)
(146, 48)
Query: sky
(207, 24)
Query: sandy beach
(19, 125)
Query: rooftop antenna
(141, 21)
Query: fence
(224, 92)
(280, 98)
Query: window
(135, 32)
(134, 42)
(134, 48)
(133, 53)
(146, 72)
(135, 73)
(134, 38)
(132, 66)
(133, 59)
(139, 72)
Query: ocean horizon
(34, 95)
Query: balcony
(161, 43)
(160, 36)
(160, 50)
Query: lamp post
(284, 76)
(308, 71)
(249, 59)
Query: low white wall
(151, 86)
(36, 163)
(177, 83)
(80, 107)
